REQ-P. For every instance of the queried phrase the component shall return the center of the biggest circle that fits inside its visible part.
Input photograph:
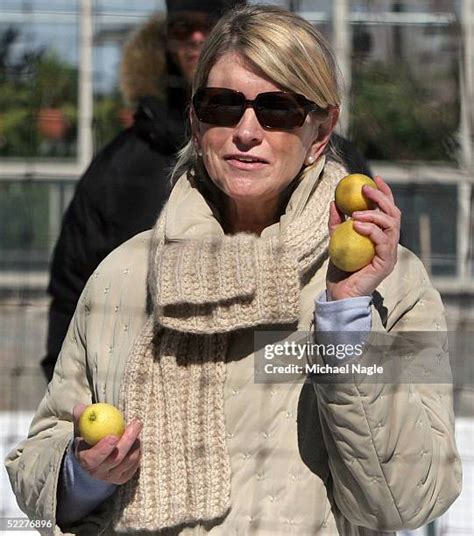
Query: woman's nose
(248, 130)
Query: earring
(310, 160)
(199, 153)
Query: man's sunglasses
(276, 110)
(182, 25)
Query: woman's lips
(245, 165)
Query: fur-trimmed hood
(144, 70)
(153, 86)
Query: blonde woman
(165, 331)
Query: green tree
(395, 116)
(35, 80)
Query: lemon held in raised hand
(349, 196)
(349, 250)
(100, 420)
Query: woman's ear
(325, 129)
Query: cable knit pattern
(201, 291)
(190, 274)
(273, 272)
(175, 382)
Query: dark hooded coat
(127, 183)
(125, 187)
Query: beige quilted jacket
(346, 459)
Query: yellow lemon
(100, 420)
(349, 250)
(349, 196)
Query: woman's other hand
(382, 226)
(111, 460)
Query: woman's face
(280, 154)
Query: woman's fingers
(385, 246)
(127, 443)
(77, 411)
(92, 458)
(128, 462)
(127, 474)
(387, 218)
(383, 199)
(122, 472)
(373, 231)
(387, 223)
(384, 187)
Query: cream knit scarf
(203, 288)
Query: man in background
(126, 185)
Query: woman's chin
(244, 189)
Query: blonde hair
(282, 46)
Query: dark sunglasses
(180, 27)
(274, 110)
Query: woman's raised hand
(111, 460)
(382, 226)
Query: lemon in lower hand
(349, 196)
(100, 420)
(348, 250)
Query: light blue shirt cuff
(78, 493)
(350, 314)
(342, 322)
